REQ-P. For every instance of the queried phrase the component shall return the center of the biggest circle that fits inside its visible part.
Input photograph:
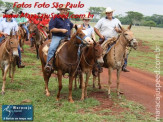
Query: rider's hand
(64, 30)
(102, 37)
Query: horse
(37, 37)
(66, 61)
(89, 57)
(8, 55)
(22, 34)
(114, 59)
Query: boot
(124, 69)
(49, 66)
(19, 63)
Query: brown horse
(37, 37)
(66, 61)
(90, 56)
(8, 54)
(114, 59)
(22, 36)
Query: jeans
(53, 46)
(2, 38)
(19, 51)
(26, 29)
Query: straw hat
(108, 10)
(63, 7)
(86, 16)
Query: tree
(97, 11)
(134, 17)
(8, 5)
(1, 4)
(150, 23)
(16, 9)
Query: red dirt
(138, 86)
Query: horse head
(81, 37)
(129, 36)
(32, 29)
(98, 50)
(13, 43)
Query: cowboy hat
(5, 11)
(108, 10)
(63, 7)
(9, 12)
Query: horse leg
(86, 84)
(109, 81)
(59, 83)
(71, 77)
(94, 81)
(13, 71)
(4, 78)
(2, 72)
(118, 76)
(37, 47)
(80, 78)
(10, 68)
(75, 85)
(82, 86)
(99, 82)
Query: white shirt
(106, 27)
(6, 27)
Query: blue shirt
(61, 24)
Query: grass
(29, 84)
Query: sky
(146, 7)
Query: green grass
(29, 84)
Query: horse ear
(120, 27)
(94, 41)
(129, 27)
(76, 27)
(11, 34)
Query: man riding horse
(60, 27)
(107, 28)
(6, 26)
(22, 23)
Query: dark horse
(37, 37)
(67, 60)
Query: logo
(17, 112)
(68, 24)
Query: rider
(6, 26)
(107, 28)
(22, 21)
(87, 27)
(60, 27)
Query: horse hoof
(121, 92)
(109, 96)
(3, 93)
(82, 99)
(57, 99)
(47, 94)
(71, 101)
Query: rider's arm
(98, 33)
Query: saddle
(46, 47)
(107, 45)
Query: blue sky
(147, 7)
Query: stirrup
(48, 68)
